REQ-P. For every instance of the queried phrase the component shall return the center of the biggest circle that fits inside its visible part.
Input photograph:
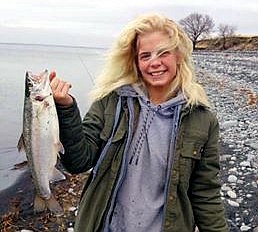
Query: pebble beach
(231, 82)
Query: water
(79, 66)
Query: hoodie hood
(166, 108)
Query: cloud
(105, 18)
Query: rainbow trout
(40, 139)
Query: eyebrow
(144, 52)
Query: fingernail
(52, 74)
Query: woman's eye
(164, 53)
(145, 56)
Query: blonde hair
(121, 69)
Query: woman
(149, 135)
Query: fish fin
(60, 147)
(20, 165)
(21, 144)
(53, 206)
(56, 176)
(39, 204)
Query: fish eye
(29, 82)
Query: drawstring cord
(143, 134)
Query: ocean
(78, 65)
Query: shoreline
(16, 208)
(16, 211)
(16, 192)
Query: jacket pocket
(192, 150)
(191, 153)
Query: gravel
(231, 82)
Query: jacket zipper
(122, 174)
(104, 151)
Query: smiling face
(157, 65)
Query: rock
(229, 124)
(224, 187)
(245, 164)
(245, 228)
(224, 158)
(232, 178)
(254, 145)
(234, 170)
(233, 203)
(231, 194)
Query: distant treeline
(231, 43)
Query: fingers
(62, 87)
(60, 90)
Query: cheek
(171, 64)
(142, 68)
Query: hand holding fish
(60, 89)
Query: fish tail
(53, 206)
(56, 176)
(41, 204)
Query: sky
(96, 23)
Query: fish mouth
(41, 98)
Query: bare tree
(225, 31)
(197, 26)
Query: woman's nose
(155, 61)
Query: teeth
(157, 73)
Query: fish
(40, 140)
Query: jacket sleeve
(204, 191)
(80, 139)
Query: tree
(197, 26)
(224, 32)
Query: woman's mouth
(157, 73)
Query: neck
(157, 96)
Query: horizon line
(53, 45)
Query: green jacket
(193, 196)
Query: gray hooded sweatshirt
(140, 199)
